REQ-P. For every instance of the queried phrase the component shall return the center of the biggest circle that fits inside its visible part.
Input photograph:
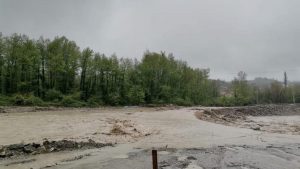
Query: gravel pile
(235, 113)
(263, 110)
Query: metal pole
(154, 159)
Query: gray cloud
(261, 37)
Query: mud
(125, 128)
(21, 109)
(285, 118)
(217, 157)
(182, 139)
(16, 150)
(79, 124)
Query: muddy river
(183, 140)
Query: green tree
(85, 62)
(58, 71)
(241, 89)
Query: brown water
(156, 128)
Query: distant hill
(261, 82)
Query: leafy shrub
(225, 101)
(30, 100)
(94, 102)
(33, 101)
(76, 95)
(113, 99)
(68, 101)
(242, 101)
(18, 100)
(182, 102)
(5, 100)
(53, 95)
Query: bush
(68, 101)
(113, 99)
(94, 102)
(76, 95)
(29, 100)
(225, 101)
(53, 95)
(242, 101)
(182, 102)
(33, 101)
(5, 100)
(18, 100)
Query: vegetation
(56, 72)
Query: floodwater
(145, 128)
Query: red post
(154, 159)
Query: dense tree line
(58, 72)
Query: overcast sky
(260, 37)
